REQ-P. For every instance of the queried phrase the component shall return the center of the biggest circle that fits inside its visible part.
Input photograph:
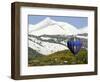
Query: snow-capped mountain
(51, 27)
(50, 36)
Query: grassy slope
(59, 58)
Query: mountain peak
(44, 23)
(48, 21)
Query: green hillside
(64, 57)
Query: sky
(79, 22)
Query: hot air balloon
(74, 45)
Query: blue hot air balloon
(74, 45)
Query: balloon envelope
(74, 46)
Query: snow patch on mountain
(45, 48)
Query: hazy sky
(79, 22)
